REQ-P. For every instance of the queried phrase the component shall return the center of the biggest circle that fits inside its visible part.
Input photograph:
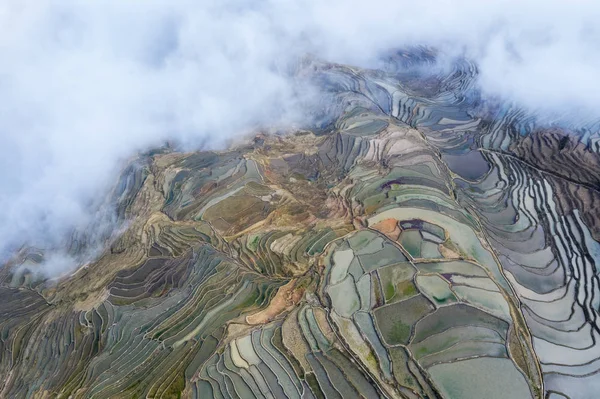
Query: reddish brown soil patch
(285, 299)
(389, 227)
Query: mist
(86, 85)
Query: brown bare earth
(285, 299)
(447, 252)
(389, 227)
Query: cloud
(84, 85)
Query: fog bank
(84, 85)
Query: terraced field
(414, 244)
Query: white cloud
(84, 85)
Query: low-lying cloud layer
(84, 85)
